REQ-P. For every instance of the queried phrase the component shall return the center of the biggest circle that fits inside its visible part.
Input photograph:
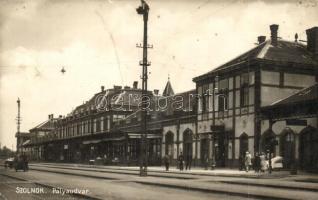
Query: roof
(302, 104)
(124, 96)
(22, 134)
(46, 125)
(159, 111)
(307, 94)
(284, 51)
(168, 91)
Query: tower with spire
(168, 91)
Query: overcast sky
(95, 41)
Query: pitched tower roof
(168, 91)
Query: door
(219, 149)
(288, 149)
(187, 144)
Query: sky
(95, 41)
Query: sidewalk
(224, 172)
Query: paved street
(124, 183)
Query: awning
(136, 135)
(91, 141)
(115, 138)
(26, 142)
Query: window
(205, 98)
(223, 102)
(106, 123)
(94, 126)
(244, 90)
(223, 95)
(117, 118)
(98, 125)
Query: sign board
(296, 122)
(217, 128)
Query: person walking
(181, 160)
(167, 162)
(188, 162)
(248, 161)
(257, 163)
(263, 162)
(241, 162)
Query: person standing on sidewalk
(167, 162)
(180, 159)
(263, 162)
(248, 161)
(257, 163)
(188, 162)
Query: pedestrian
(241, 162)
(263, 162)
(181, 160)
(248, 161)
(206, 161)
(167, 161)
(188, 162)
(257, 162)
(25, 162)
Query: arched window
(287, 147)
(169, 144)
(308, 148)
(243, 144)
(267, 142)
(187, 143)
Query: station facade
(223, 117)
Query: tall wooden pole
(18, 125)
(144, 10)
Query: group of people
(258, 162)
(183, 162)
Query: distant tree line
(5, 152)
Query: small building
(232, 95)
(38, 136)
(23, 138)
(293, 124)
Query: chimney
(312, 40)
(135, 84)
(261, 39)
(60, 116)
(156, 92)
(51, 116)
(117, 87)
(274, 29)
(102, 88)
(126, 87)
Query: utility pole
(144, 10)
(18, 125)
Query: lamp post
(143, 10)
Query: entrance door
(169, 144)
(187, 144)
(308, 149)
(243, 145)
(288, 148)
(219, 149)
(204, 150)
